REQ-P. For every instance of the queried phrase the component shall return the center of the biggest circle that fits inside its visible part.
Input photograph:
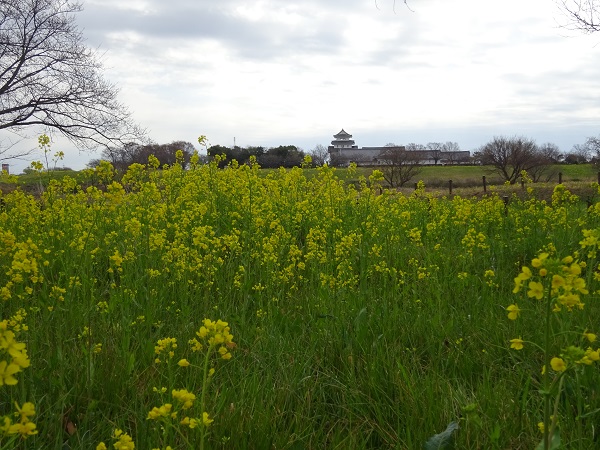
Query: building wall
(371, 156)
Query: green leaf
(444, 440)
(495, 436)
(554, 442)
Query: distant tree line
(282, 156)
(274, 157)
(270, 158)
(122, 157)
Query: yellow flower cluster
(573, 356)
(123, 441)
(23, 273)
(185, 397)
(15, 352)
(216, 335)
(590, 241)
(186, 400)
(24, 427)
(16, 359)
(161, 412)
(561, 280)
(165, 346)
(212, 338)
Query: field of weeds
(229, 308)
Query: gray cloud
(179, 22)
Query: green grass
(361, 320)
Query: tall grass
(361, 320)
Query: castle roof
(342, 135)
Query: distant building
(344, 151)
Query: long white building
(343, 151)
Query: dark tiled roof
(342, 134)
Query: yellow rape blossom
(217, 335)
(523, 276)
(185, 397)
(591, 337)
(23, 428)
(124, 441)
(166, 346)
(525, 273)
(539, 261)
(206, 420)
(558, 364)
(8, 372)
(190, 422)
(557, 282)
(516, 344)
(593, 355)
(162, 411)
(536, 290)
(513, 311)
(26, 411)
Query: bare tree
(50, 79)
(551, 152)
(415, 147)
(579, 154)
(399, 165)
(451, 153)
(591, 147)
(548, 155)
(435, 149)
(510, 156)
(582, 15)
(319, 155)
(450, 146)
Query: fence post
(598, 177)
(484, 184)
(450, 186)
(505, 198)
(522, 183)
(559, 177)
(415, 186)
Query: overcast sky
(275, 72)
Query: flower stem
(546, 376)
(203, 395)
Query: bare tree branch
(49, 78)
(394, 6)
(7, 151)
(582, 15)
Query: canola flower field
(221, 308)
